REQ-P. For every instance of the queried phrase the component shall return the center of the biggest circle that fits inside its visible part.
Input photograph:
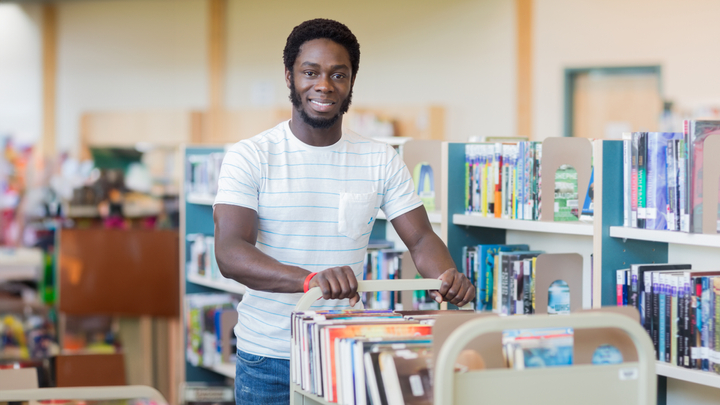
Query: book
(641, 177)
(485, 277)
(656, 192)
(407, 376)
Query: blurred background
(103, 104)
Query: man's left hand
(455, 289)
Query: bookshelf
(196, 217)
(612, 246)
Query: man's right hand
(337, 283)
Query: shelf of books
(209, 300)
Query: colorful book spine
(663, 324)
(641, 179)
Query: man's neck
(315, 136)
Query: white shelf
(235, 288)
(19, 264)
(681, 238)
(435, 217)
(228, 370)
(707, 378)
(201, 199)
(568, 228)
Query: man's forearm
(431, 256)
(246, 264)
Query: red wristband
(306, 284)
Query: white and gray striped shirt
(316, 208)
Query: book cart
(630, 382)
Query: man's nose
(324, 84)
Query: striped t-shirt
(316, 207)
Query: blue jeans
(261, 380)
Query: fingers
(337, 283)
(456, 288)
(354, 299)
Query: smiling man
(296, 205)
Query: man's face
(321, 82)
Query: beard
(317, 123)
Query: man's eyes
(338, 76)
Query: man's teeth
(319, 103)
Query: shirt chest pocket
(356, 214)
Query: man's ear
(288, 78)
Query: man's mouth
(322, 106)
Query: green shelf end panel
(461, 235)
(618, 253)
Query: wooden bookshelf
(680, 238)
(568, 228)
(234, 287)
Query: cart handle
(83, 393)
(460, 337)
(374, 285)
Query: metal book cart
(630, 382)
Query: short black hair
(322, 28)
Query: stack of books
(679, 308)
(663, 179)
(503, 180)
(359, 357)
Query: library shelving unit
(196, 217)
(604, 244)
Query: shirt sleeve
(399, 194)
(240, 176)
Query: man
(296, 204)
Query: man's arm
(236, 230)
(432, 257)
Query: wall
(128, 55)
(457, 53)
(20, 71)
(678, 35)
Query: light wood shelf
(226, 369)
(568, 228)
(201, 199)
(234, 288)
(707, 378)
(680, 238)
